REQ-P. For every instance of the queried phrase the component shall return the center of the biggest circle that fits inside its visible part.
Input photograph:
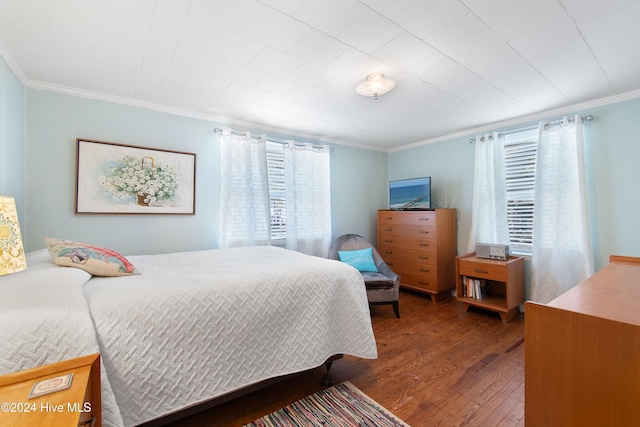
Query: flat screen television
(412, 193)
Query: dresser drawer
(422, 230)
(411, 267)
(408, 255)
(416, 243)
(426, 283)
(419, 271)
(483, 270)
(409, 218)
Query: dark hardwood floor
(437, 366)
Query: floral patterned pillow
(92, 259)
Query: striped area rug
(342, 405)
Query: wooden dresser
(420, 246)
(582, 352)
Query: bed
(192, 327)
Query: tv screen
(410, 194)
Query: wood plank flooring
(437, 366)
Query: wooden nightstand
(79, 405)
(503, 282)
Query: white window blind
(520, 149)
(277, 202)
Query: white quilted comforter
(44, 319)
(197, 325)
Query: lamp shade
(12, 258)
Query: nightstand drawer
(483, 270)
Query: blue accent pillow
(361, 259)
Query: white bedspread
(44, 319)
(197, 325)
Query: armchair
(383, 287)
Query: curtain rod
(547, 126)
(588, 118)
(277, 141)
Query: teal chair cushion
(362, 259)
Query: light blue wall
(612, 143)
(450, 166)
(12, 138)
(358, 190)
(54, 122)
(614, 181)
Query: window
(270, 194)
(520, 149)
(277, 195)
(299, 196)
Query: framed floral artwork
(126, 179)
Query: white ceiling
(291, 66)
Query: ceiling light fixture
(375, 85)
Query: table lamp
(12, 258)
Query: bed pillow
(361, 259)
(92, 259)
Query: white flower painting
(116, 178)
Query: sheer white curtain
(244, 191)
(489, 215)
(562, 255)
(308, 198)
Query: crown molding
(5, 53)
(222, 120)
(215, 118)
(543, 115)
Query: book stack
(474, 288)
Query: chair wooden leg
(396, 309)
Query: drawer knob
(481, 271)
(423, 257)
(388, 241)
(388, 229)
(424, 270)
(424, 244)
(389, 218)
(424, 232)
(422, 282)
(388, 252)
(424, 219)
